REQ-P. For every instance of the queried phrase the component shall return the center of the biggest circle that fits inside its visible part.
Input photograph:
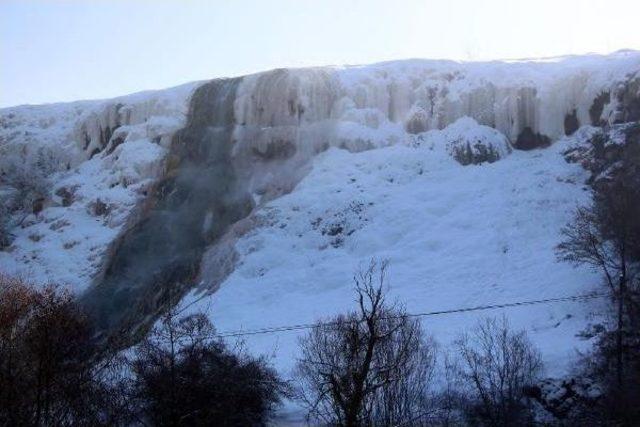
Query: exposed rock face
(612, 156)
(571, 122)
(604, 152)
(597, 107)
(626, 105)
(628, 96)
(528, 140)
(193, 205)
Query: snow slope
(456, 236)
(68, 244)
(110, 152)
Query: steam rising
(188, 209)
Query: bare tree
(606, 236)
(368, 367)
(497, 364)
(450, 399)
(48, 369)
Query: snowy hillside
(67, 241)
(256, 198)
(455, 237)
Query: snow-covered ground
(66, 243)
(456, 236)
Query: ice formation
(128, 173)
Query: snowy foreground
(375, 173)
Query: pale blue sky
(55, 50)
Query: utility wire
(303, 326)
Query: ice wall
(526, 101)
(532, 103)
(298, 112)
(154, 115)
(283, 118)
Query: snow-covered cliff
(87, 197)
(168, 184)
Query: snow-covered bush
(340, 224)
(25, 181)
(7, 201)
(471, 143)
(467, 154)
(31, 188)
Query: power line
(286, 328)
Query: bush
(497, 364)
(47, 370)
(613, 403)
(183, 375)
(54, 372)
(25, 183)
(31, 187)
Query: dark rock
(100, 208)
(571, 122)
(66, 195)
(595, 111)
(115, 143)
(628, 97)
(528, 140)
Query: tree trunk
(619, 347)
